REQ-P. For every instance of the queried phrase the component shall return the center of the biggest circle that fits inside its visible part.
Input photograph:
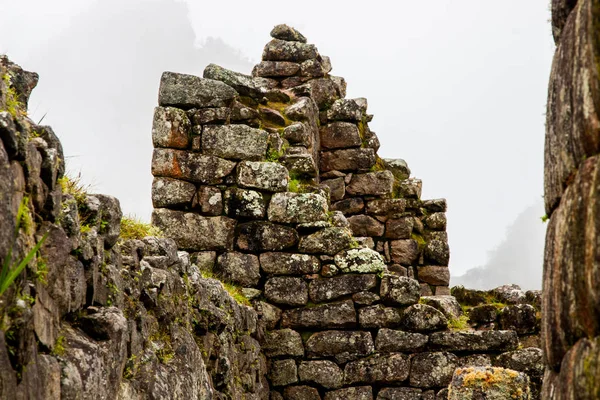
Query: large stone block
(245, 85)
(399, 228)
(328, 241)
(194, 232)
(289, 264)
(194, 167)
(399, 290)
(489, 383)
(572, 120)
(237, 142)
(297, 208)
(242, 269)
(347, 110)
(283, 343)
(338, 135)
(322, 372)
(379, 369)
(477, 341)
(394, 341)
(347, 160)
(283, 372)
(287, 290)
(301, 393)
(268, 176)
(265, 236)
(379, 316)
(371, 183)
(401, 393)
(188, 91)
(338, 315)
(434, 275)
(243, 203)
(363, 225)
(423, 318)
(331, 288)
(343, 346)
(276, 69)
(386, 206)
(169, 192)
(171, 127)
(404, 252)
(361, 260)
(351, 393)
(282, 50)
(571, 279)
(429, 370)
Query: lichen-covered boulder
(423, 318)
(286, 32)
(289, 264)
(338, 315)
(371, 183)
(394, 341)
(297, 208)
(331, 288)
(171, 127)
(195, 232)
(379, 316)
(328, 241)
(188, 91)
(243, 203)
(283, 372)
(437, 250)
(185, 165)
(287, 290)
(282, 343)
(242, 269)
(380, 369)
(529, 360)
(473, 341)
(169, 192)
(283, 50)
(361, 260)
(429, 370)
(472, 383)
(351, 393)
(268, 176)
(399, 290)
(347, 110)
(265, 236)
(236, 142)
(342, 346)
(339, 135)
(446, 304)
(348, 160)
(321, 372)
(520, 318)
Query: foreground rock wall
(272, 182)
(571, 305)
(94, 316)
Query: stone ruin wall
(571, 302)
(334, 312)
(272, 182)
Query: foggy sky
(458, 90)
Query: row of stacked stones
(571, 301)
(272, 182)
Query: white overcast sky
(457, 87)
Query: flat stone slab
(188, 166)
(297, 208)
(331, 288)
(343, 346)
(289, 264)
(268, 176)
(189, 91)
(482, 341)
(236, 142)
(338, 315)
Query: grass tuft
(233, 290)
(133, 228)
(72, 185)
(459, 324)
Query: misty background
(458, 90)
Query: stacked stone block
(272, 182)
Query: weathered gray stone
(483, 314)
(168, 192)
(372, 183)
(268, 176)
(436, 221)
(404, 252)
(361, 260)
(171, 127)
(268, 314)
(509, 294)
(337, 188)
(348, 206)
(423, 318)
(342, 285)
(446, 304)
(194, 232)
(104, 212)
(322, 372)
(529, 360)
(351, 393)
(301, 393)
(393, 341)
(188, 91)
(237, 142)
(399, 228)
(339, 135)
(410, 188)
(265, 236)
(282, 343)
(280, 50)
(400, 393)
(348, 160)
(287, 290)
(300, 164)
(242, 269)
(209, 199)
(325, 316)
(520, 318)
(434, 274)
(179, 164)
(475, 341)
(347, 110)
(432, 369)
(297, 208)
(244, 203)
(363, 225)
(399, 290)
(328, 241)
(365, 298)
(388, 368)
(398, 167)
(276, 69)
(245, 85)
(298, 133)
(386, 206)
(315, 68)
(286, 32)
(343, 346)
(323, 91)
(289, 264)
(379, 316)
(303, 109)
(492, 383)
(283, 372)
(205, 116)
